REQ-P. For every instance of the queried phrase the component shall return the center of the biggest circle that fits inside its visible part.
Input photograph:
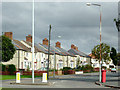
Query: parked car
(113, 69)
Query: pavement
(112, 81)
(87, 80)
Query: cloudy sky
(75, 22)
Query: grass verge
(7, 77)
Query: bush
(11, 69)
(87, 67)
(104, 67)
(28, 68)
(83, 68)
(79, 67)
(65, 70)
(3, 68)
(51, 70)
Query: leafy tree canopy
(8, 49)
(105, 52)
(113, 55)
(117, 24)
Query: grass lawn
(6, 77)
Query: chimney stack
(74, 47)
(9, 35)
(77, 48)
(58, 44)
(45, 41)
(29, 38)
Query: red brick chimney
(58, 44)
(45, 41)
(72, 46)
(9, 35)
(29, 38)
(77, 48)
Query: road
(67, 81)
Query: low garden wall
(36, 73)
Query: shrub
(83, 68)
(28, 69)
(87, 67)
(66, 68)
(78, 67)
(51, 70)
(11, 69)
(104, 67)
(3, 68)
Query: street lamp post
(33, 24)
(89, 4)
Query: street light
(54, 59)
(89, 4)
(33, 27)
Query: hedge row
(8, 68)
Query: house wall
(17, 58)
(71, 60)
(88, 60)
(95, 63)
(59, 60)
(64, 61)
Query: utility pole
(49, 51)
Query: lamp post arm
(96, 4)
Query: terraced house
(83, 58)
(23, 57)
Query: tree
(8, 49)
(113, 55)
(105, 52)
(117, 24)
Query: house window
(60, 65)
(72, 65)
(26, 54)
(25, 65)
(22, 65)
(29, 64)
(46, 64)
